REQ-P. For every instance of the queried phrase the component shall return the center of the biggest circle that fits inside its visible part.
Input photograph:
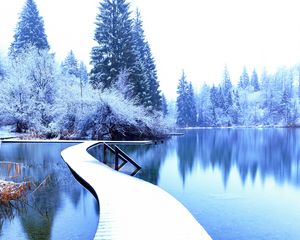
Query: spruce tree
(186, 104)
(254, 81)
(181, 101)
(2, 72)
(115, 47)
(151, 73)
(191, 102)
(226, 91)
(30, 31)
(164, 106)
(144, 53)
(244, 79)
(141, 86)
(83, 73)
(70, 65)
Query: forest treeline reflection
(266, 152)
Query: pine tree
(149, 85)
(285, 106)
(236, 113)
(2, 72)
(214, 104)
(186, 103)
(191, 102)
(227, 90)
(164, 105)
(115, 46)
(151, 73)
(254, 81)
(70, 65)
(205, 107)
(181, 101)
(83, 73)
(141, 86)
(244, 79)
(30, 30)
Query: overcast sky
(200, 36)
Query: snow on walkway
(131, 208)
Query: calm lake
(240, 184)
(60, 208)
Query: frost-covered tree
(205, 106)
(141, 86)
(28, 92)
(226, 89)
(70, 65)
(254, 81)
(30, 31)
(244, 79)
(236, 110)
(164, 105)
(155, 96)
(115, 46)
(285, 106)
(181, 101)
(143, 52)
(191, 101)
(2, 71)
(186, 104)
(298, 71)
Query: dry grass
(10, 191)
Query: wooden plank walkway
(130, 208)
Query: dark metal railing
(120, 155)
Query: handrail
(119, 154)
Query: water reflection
(268, 152)
(54, 187)
(271, 152)
(238, 183)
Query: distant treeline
(268, 100)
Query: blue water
(59, 209)
(240, 184)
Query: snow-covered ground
(7, 132)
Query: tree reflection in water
(41, 164)
(268, 152)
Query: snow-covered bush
(27, 93)
(105, 115)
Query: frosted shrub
(28, 91)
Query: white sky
(200, 36)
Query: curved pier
(131, 208)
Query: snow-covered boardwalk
(131, 208)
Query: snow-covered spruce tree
(191, 101)
(181, 101)
(114, 51)
(164, 105)
(244, 79)
(205, 107)
(29, 31)
(254, 81)
(226, 91)
(150, 83)
(285, 107)
(83, 73)
(214, 105)
(2, 71)
(186, 104)
(298, 73)
(70, 65)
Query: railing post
(104, 153)
(116, 159)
